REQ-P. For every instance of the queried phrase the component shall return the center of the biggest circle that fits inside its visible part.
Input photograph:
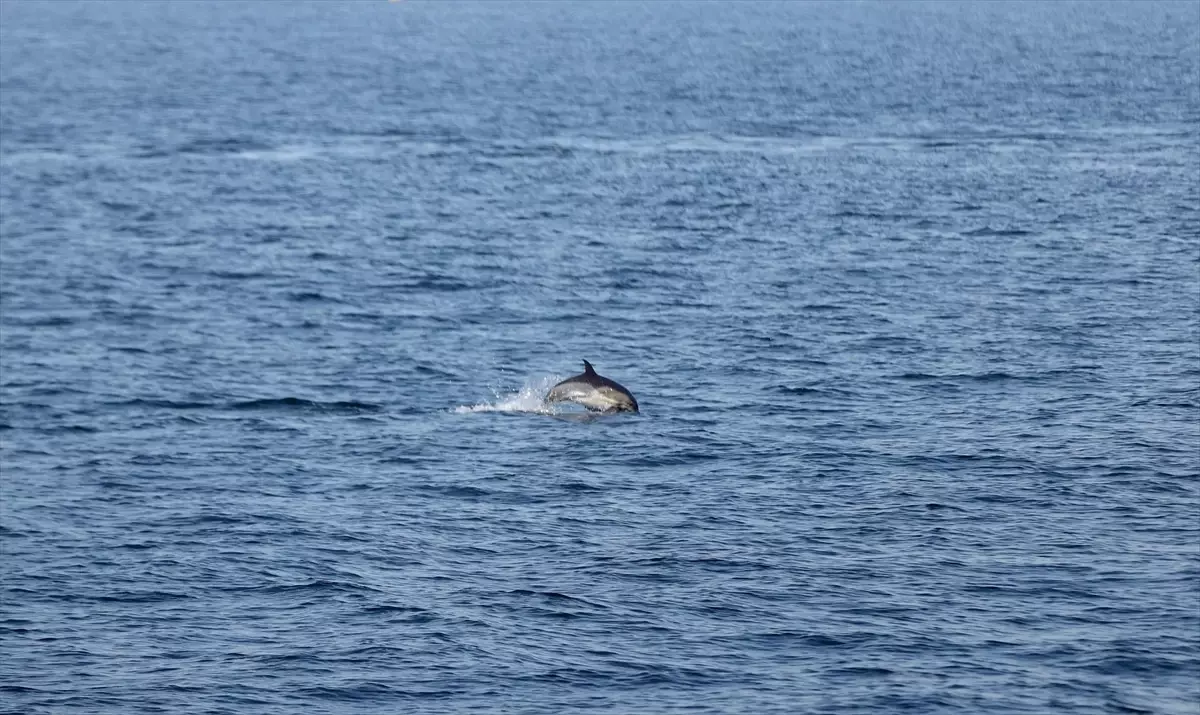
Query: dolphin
(593, 391)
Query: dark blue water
(908, 293)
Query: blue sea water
(908, 293)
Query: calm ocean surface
(908, 293)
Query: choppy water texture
(908, 294)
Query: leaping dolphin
(593, 391)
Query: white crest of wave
(530, 398)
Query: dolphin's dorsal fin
(588, 369)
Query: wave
(223, 145)
(278, 403)
(296, 403)
(998, 232)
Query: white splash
(530, 398)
